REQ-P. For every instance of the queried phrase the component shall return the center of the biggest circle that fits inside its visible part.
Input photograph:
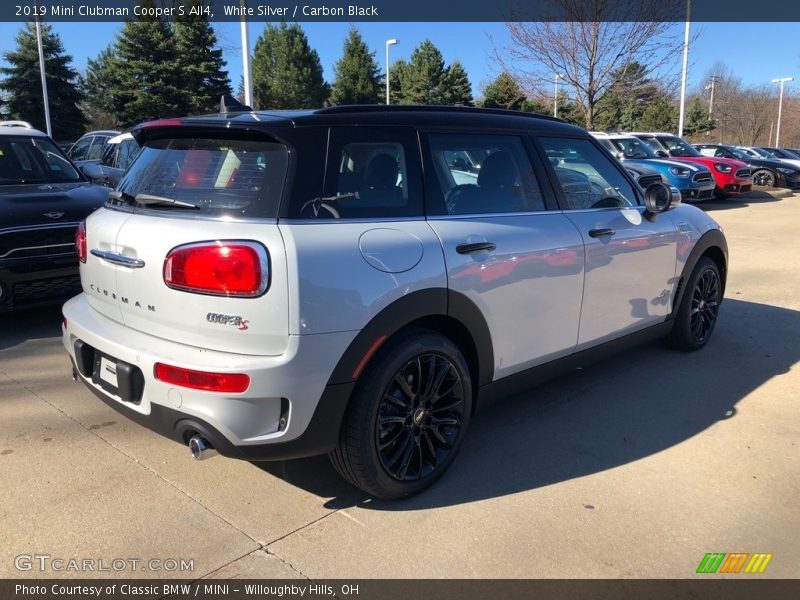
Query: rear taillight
(229, 383)
(222, 268)
(80, 241)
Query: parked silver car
(355, 280)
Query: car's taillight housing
(228, 383)
(80, 241)
(220, 268)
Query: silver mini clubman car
(356, 280)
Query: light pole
(555, 94)
(685, 67)
(42, 71)
(246, 76)
(391, 42)
(782, 80)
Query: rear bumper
(288, 411)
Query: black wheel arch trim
(423, 304)
(713, 238)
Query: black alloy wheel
(705, 305)
(419, 417)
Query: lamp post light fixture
(782, 80)
(555, 94)
(391, 42)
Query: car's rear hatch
(209, 199)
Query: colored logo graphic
(736, 562)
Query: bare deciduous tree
(587, 49)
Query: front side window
(634, 148)
(96, 150)
(587, 176)
(127, 152)
(33, 160)
(484, 174)
(214, 176)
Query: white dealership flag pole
(246, 76)
(782, 80)
(42, 71)
(685, 67)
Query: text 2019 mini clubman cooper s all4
(355, 280)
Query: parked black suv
(42, 200)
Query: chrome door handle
(601, 231)
(118, 259)
(477, 247)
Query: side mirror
(93, 172)
(662, 154)
(657, 199)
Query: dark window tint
(127, 152)
(223, 177)
(587, 176)
(33, 160)
(81, 148)
(370, 173)
(98, 145)
(484, 174)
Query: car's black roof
(380, 114)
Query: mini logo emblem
(53, 215)
(234, 320)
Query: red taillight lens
(80, 241)
(218, 268)
(229, 383)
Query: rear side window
(370, 173)
(484, 174)
(222, 177)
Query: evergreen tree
(697, 119)
(623, 105)
(426, 78)
(398, 75)
(23, 86)
(660, 115)
(457, 88)
(358, 78)
(146, 72)
(203, 77)
(286, 72)
(535, 106)
(504, 92)
(98, 87)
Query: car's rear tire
(407, 418)
(697, 314)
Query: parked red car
(732, 177)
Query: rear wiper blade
(148, 199)
(120, 196)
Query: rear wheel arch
(444, 311)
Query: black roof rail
(353, 108)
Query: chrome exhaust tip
(200, 448)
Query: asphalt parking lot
(635, 467)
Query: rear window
(222, 177)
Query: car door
(520, 263)
(630, 259)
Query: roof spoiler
(229, 104)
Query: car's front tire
(407, 418)
(697, 314)
(764, 178)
